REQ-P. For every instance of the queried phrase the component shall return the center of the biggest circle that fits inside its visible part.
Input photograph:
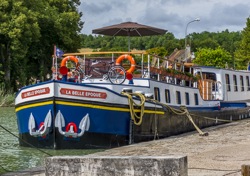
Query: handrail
(160, 62)
(104, 52)
(123, 52)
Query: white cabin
(224, 84)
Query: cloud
(172, 15)
(229, 15)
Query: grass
(6, 99)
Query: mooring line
(25, 141)
(230, 171)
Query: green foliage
(6, 98)
(242, 54)
(221, 44)
(225, 39)
(213, 57)
(167, 42)
(28, 31)
(1, 74)
(160, 51)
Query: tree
(159, 51)
(213, 57)
(28, 31)
(60, 25)
(1, 75)
(18, 28)
(242, 54)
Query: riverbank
(7, 100)
(222, 152)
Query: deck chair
(154, 62)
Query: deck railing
(161, 68)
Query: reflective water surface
(12, 156)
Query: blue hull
(60, 115)
(111, 125)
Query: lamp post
(197, 19)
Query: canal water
(12, 156)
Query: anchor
(43, 128)
(71, 129)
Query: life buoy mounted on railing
(130, 58)
(72, 58)
(63, 69)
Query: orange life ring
(130, 58)
(72, 58)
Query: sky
(171, 15)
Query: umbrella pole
(128, 40)
(128, 44)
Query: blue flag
(59, 52)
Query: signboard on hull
(35, 92)
(83, 93)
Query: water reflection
(12, 156)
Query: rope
(184, 109)
(132, 103)
(178, 112)
(209, 118)
(175, 111)
(25, 141)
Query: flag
(58, 52)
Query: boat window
(228, 82)
(208, 75)
(235, 83)
(178, 97)
(157, 93)
(248, 83)
(187, 98)
(196, 99)
(242, 83)
(167, 95)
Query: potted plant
(137, 74)
(183, 75)
(177, 74)
(172, 72)
(196, 78)
(189, 76)
(167, 71)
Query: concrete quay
(117, 165)
(221, 153)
